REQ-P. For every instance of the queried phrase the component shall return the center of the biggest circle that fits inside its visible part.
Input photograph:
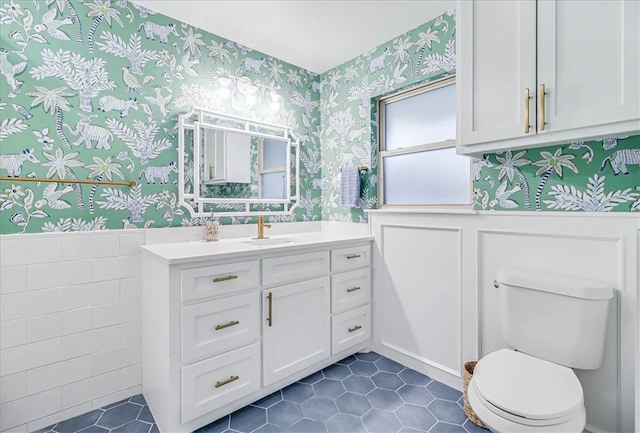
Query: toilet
(551, 324)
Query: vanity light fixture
(245, 92)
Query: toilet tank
(555, 317)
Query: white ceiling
(314, 34)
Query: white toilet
(552, 324)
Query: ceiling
(314, 34)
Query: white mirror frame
(186, 122)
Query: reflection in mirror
(239, 166)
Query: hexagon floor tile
(364, 393)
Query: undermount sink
(270, 241)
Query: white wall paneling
(435, 305)
(416, 276)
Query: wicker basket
(467, 372)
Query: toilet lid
(528, 387)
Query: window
(418, 160)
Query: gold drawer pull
(542, 120)
(227, 278)
(270, 307)
(353, 256)
(353, 289)
(526, 110)
(227, 325)
(226, 381)
(355, 328)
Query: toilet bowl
(514, 392)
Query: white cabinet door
(588, 61)
(496, 63)
(296, 328)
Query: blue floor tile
(269, 400)
(138, 399)
(358, 384)
(385, 364)
(248, 419)
(343, 423)
(348, 360)
(313, 378)
(337, 371)
(416, 417)
(79, 422)
(415, 395)
(353, 404)
(284, 413)
(384, 399)
(381, 421)
(363, 368)
(133, 427)
(94, 429)
(447, 411)
(440, 390)
(365, 393)
(387, 381)
(308, 426)
(370, 356)
(269, 428)
(319, 409)
(442, 427)
(298, 392)
(119, 415)
(328, 388)
(412, 377)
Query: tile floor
(362, 393)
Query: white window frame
(383, 153)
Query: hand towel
(350, 187)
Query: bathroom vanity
(227, 323)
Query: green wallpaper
(558, 178)
(92, 90)
(348, 117)
(593, 176)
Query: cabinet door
(296, 328)
(588, 60)
(495, 65)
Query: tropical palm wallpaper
(92, 89)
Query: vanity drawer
(350, 289)
(285, 269)
(350, 328)
(210, 384)
(345, 259)
(212, 327)
(217, 280)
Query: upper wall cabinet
(532, 73)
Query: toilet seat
(518, 388)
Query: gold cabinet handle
(227, 325)
(226, 381)
(211, 172)
(353, 256)
(270, 308)
(542, 104)
(353, 289)
(355, 328)
(227, 278)
(526, 110)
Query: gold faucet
(261, 227)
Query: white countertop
(187, 252)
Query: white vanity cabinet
(546, 72)
(221, 330)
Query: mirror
(236, 166)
